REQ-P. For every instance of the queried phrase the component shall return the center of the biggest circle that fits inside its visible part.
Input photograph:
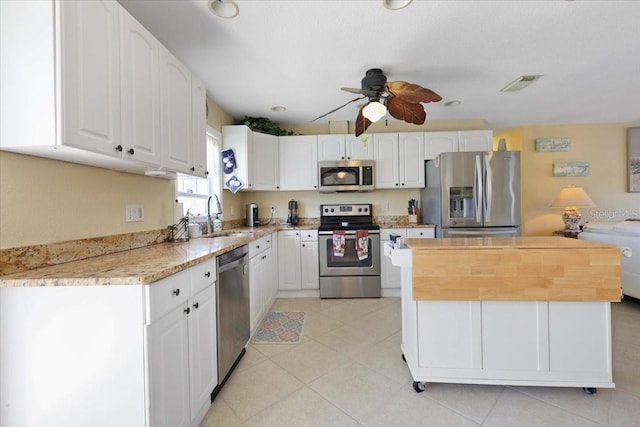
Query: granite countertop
(139, 266)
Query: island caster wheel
(418, 386)
(404, 358)
(590, 390)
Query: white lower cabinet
(182, 346)
(390, 274)
(261, 290)
(298, 260)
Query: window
(194, 192)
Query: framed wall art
(571, 169)
(633, 159)
(552, 144)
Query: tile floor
(348, 371)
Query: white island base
(529, 343)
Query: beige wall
(602, 145)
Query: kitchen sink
(233, 234)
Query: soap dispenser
(217, 223)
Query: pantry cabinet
(399, 160)
(298, 162)
(108, 93)
(344, 147)
(256, 155)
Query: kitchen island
(530, 311)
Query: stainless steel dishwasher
(233, 311)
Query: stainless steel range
(349, 248)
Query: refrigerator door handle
(488, 199)
(479, 191)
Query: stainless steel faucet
(209, 220)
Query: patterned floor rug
(281, 327)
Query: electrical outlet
(385, 207)
(134, 213)
(273, 210)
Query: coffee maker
(252, 215)
(293, 218)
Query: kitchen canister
(195, 231)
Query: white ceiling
(299, 53)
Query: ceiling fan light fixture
(374, 111)
(224, 8)
(396, 4)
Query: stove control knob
(326, 210)
(331, 209)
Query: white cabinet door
(289, 260)
(357, 148)
(440, 142)
(257, 289)
(140, 92)
(168, 341)
(199, 118)
(411, 158)
(389, 273)
(263, 162)
(475, 140)
(298, 162)
(203, 349)
(177, 126)
(91, 75)
(386, 155)
(309, 265)
(331, 147)
(267, 284)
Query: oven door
(349, 264)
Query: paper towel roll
(178, 212)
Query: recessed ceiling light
(520, 83)
(396, 4)
(278, 108)
(453, 103)
(224, 8)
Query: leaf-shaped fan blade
(412, 93)
(336, 109)
(407, 111)
(367, 92)
(362, 123)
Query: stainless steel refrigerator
(473, 194)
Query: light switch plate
(134, 213)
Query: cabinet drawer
(258, 246)
(385, 233)
(421, 233)
(308, 235)
(202, 275)
(165, 294)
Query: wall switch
(385, 207)
(134, 213)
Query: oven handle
(347, 232)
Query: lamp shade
(374, 111)
(572, 196)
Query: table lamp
(570, 198)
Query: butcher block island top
(514, 269)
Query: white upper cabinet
(256, 157)
(440, 142)
(475, 140)
(399, 160)
(107, 93)
(199, 135)
(177, 127)
(344, 147)
(298, 162)
(90, 50)
(140, 91)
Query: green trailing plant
(265, 125)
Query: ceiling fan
(401, 99)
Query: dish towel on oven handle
(362, 244)
(338, 243)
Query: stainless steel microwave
(345, 175)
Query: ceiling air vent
(520, 83)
